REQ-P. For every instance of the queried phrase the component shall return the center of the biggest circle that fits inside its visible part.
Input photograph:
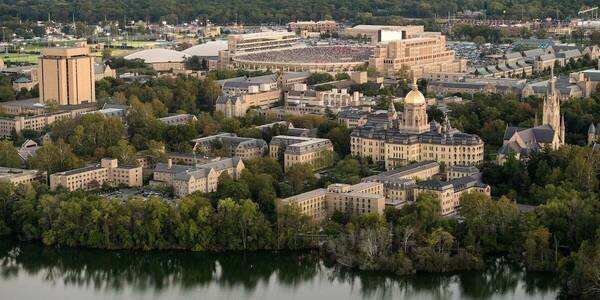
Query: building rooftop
(304, 196)
(398, 137)
(209, 49)
(158, 55)
(6, 173)
(464, 169)
(402, 173)
(457, 184)
(80, 170)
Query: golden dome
(414, 96)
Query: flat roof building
(94, 176)
(361, 198)
(67, 76)
(178, 119)
(399, 183)
(21, 176)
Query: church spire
(551, 107)
(552, 82)
(391, 107)
(392, 115)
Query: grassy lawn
(135, 44)
(33, 49)
(16, 57)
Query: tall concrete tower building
(66, 75)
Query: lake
(33, 271)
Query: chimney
(170, 163)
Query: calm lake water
(32, 271)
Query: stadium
(318, 58)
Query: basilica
(520, 142)
(408, 137)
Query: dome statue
(414, 96)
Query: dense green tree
(300, 177)
(9, 156)
(124, 152)
(55, 157)
(230, 188)
(90, 135)
(316, 78)
(490, 225)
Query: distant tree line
(261, 12)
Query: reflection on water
(97, 274)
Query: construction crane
(591, 11)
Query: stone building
(399, 183)
(292, 150)
(353, 117)
(102, 71)
(233, 106)
(588, 81)
(94, 176)
(419, 53)
(31, 115)
(411, 138)
(178, 119)
(522, 141)
(205, 178)
(361, 198)
(232, 145)
(21, 176)
(505, 86)
(201, 177)
(334, 99)
(394, 188)
(448, 192)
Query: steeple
(552, 82)
(551, 105)
(392, 115)
(391, 107)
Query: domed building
(207, 50)
(410, 137)
(414, 118)
(161, 60)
